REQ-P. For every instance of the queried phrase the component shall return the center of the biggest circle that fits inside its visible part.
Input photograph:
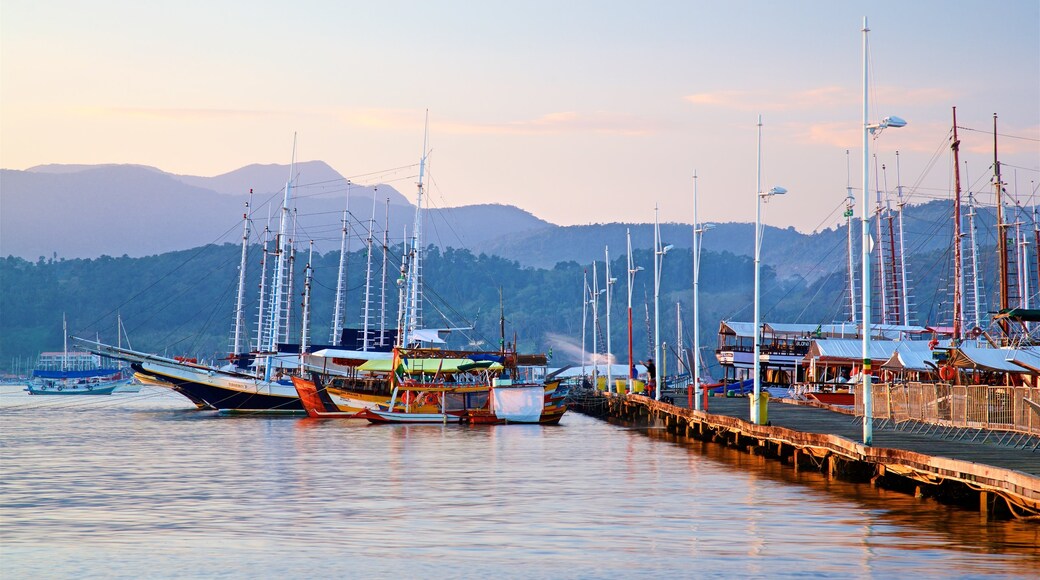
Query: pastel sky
(577, 111)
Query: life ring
(407, 397)
(947, 373)
(60, 388)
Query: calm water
(142, 485)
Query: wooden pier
(984, 471)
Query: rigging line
(829, 216)
(792, 287)
(193, 256)
(351, 178)
(944, 144)
(990, 132)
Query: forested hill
(182, 302)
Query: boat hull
(104, 389)
(223, 392)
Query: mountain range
(85, 211)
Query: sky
(579, 111)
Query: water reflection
(143, 486)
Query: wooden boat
(74, 373)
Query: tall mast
(595, 325)
(402, 292)
(680, 366)
(305, 332)
(972, 231)
(282, 249)
(341, 280)
(903, 283)
(1002, 257)
(290, 282)
(65, 336)
(236, 343)
(261, 321)
(368, 277)
(882, 275)
(414, 314)
(585, 294)
(382, 293)
(850, 201)
(957, 273)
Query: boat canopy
(352, 354)
(1009, 360)
(847, 350)
(912, 355)
(425, 365)
(85, 374)
(834, 330)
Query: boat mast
(368, 277)
(585, 294)
(1023, 256)
(972, 231)
(680, 367)
(957, 272)
(282, 250)
(1036, 244)
(402, 289)
(1002, 257)
(65, 336)
(902, 248)
(415, 287)
(882, 277)
(236, 343)
(306, 314)
(896, 295)
(595, 325)
(850, 201)
(341, 280)
(290, 282)
(261, 321)
(382, 293)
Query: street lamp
(632, 269)
(698, 233)
(756, 401)
(659, 253)
(869, 130)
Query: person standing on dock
(651, 374)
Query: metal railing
(999, 408)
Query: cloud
(180, 114)
(600, 122)
(815, 99)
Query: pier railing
(962, 406)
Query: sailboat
(263, 387)
(74, 373)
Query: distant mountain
(316, 178)
(84, 211)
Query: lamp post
(869, 130)
(659, 253)
(698, 233)
(632, 269)
(610, 353)
(756, 400)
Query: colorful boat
(74, 373)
